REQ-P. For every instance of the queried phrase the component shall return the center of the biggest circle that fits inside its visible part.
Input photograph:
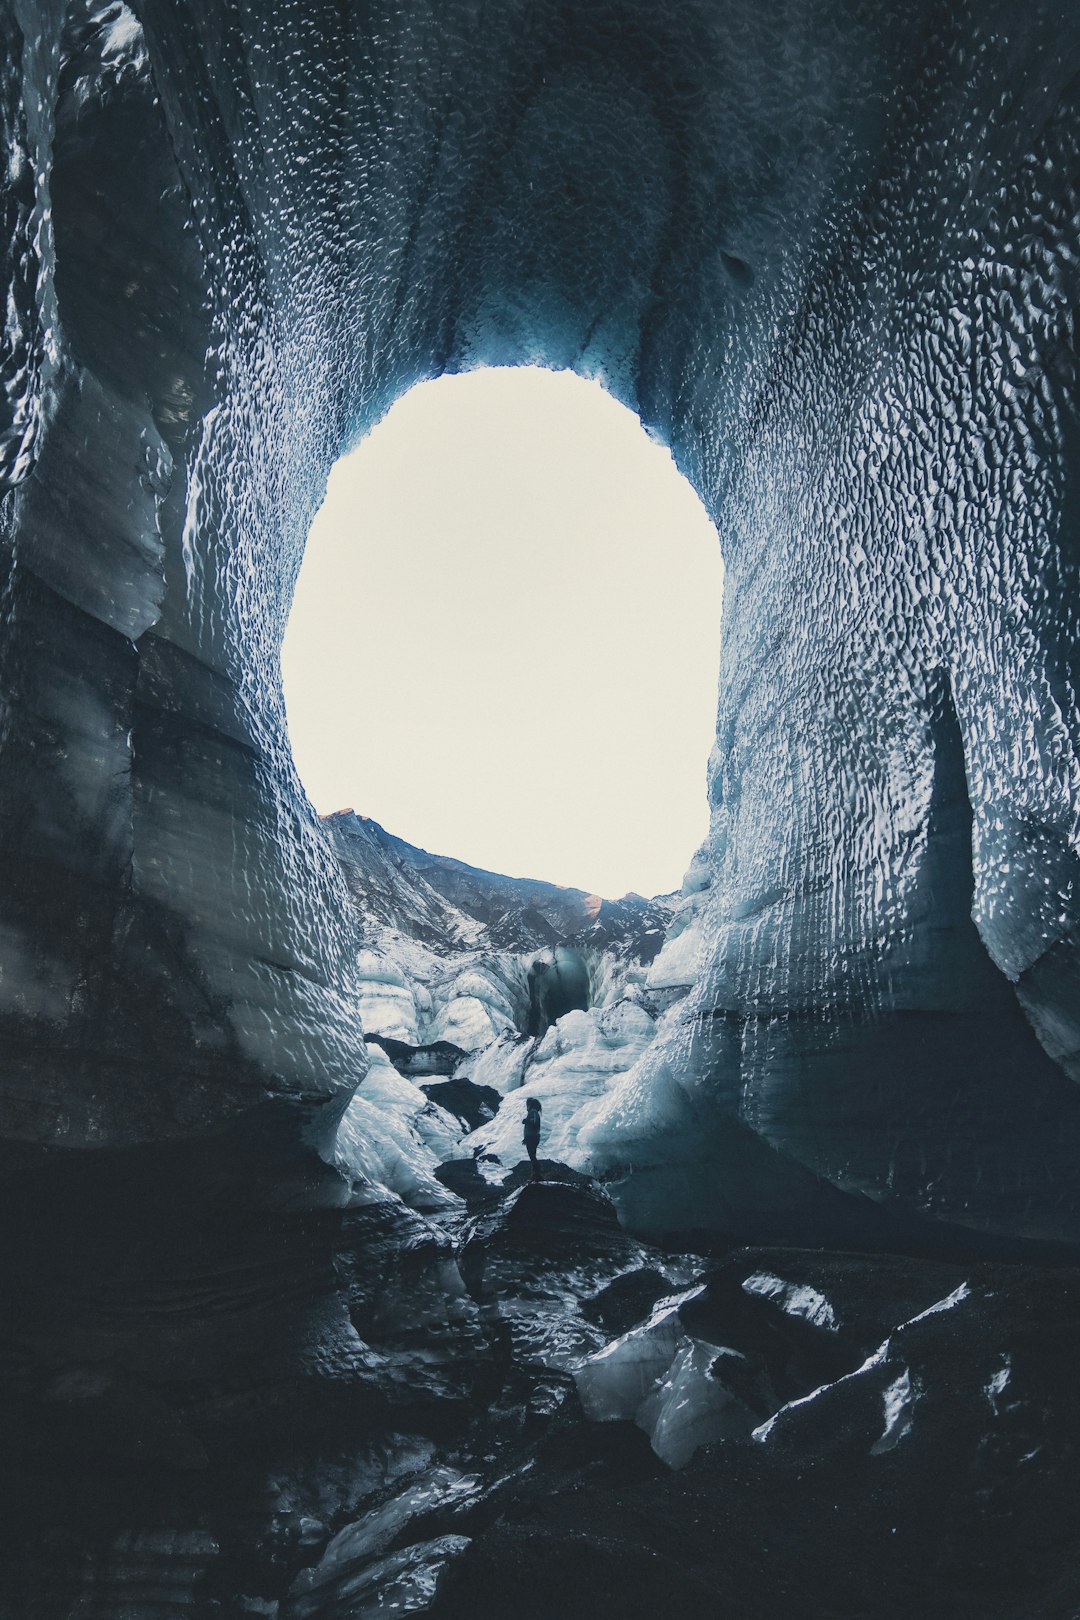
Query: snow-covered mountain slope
(442, 901)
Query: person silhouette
(531, 1135)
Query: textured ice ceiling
(829, 253)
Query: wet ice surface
(883, 1371)
(797, 1301)
(394, 1137)
(829, 255)
(671, 1385)
(404, 1583)
(613, 1383)
(851, 1367)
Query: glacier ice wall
(828, 252)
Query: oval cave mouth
(504, 638)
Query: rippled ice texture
(829, 255)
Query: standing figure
(531, 1136)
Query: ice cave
(784, 1321)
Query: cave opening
(558, 983)
(505, 632)
(810, 1202)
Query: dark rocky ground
(974, 1513)
(362, 1412)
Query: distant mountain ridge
(445, 902)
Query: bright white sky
(505, 635)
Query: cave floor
(435, 1455)
(968, 1509)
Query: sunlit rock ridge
(829, 255)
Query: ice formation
(670, 1384)
(346, 1573)
(473, 979)
(393, 1137)
(883, 1384)
(829, 254)
(830, 259)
